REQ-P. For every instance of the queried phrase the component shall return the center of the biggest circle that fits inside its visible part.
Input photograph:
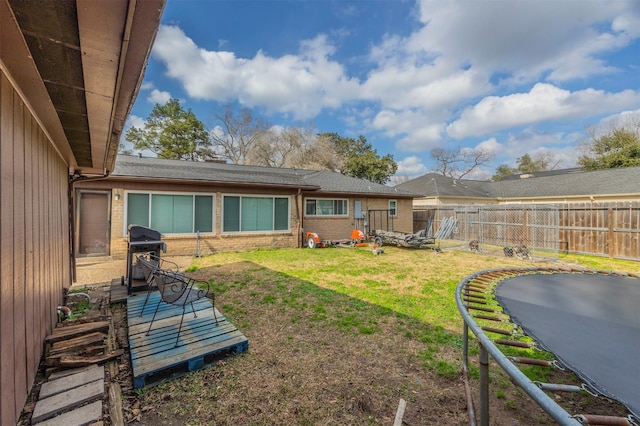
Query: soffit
(90, 56)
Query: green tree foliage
(171, 132)
(360, 159)
(526, 164)
(620, 147)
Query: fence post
(610, 237)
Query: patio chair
(179, 290)
(149, 262)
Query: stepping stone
(64, 384)
(49, 407)
(78, 417)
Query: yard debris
(402, 405)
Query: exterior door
(358, 216)
(93, 225)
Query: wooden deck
(155, 357)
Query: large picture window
(324, 207)
(170, 213)
(252, 214)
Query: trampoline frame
(488, 348)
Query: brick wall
(334, 228)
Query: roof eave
(200, 182)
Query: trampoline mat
(591, 323)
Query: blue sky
(514, 76)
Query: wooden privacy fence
(602, 229)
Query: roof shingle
(313, 180)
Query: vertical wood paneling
(34, 247)
(30, 312)
(7, 381)
(19, 247)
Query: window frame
(344, 200)
(125, 212)
(394, 209)
(273, 219)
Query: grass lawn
(338, 336)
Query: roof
(567, 183)
(134, 167)
(79, 65)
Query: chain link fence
(524, 231)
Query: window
(393, 208)
(253, 214)
(170, 213)
(320, 207)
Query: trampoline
(589, 321)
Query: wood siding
(34, 246)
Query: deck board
(155, 354)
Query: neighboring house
(553, 187)
(204, 207)
(69, 73)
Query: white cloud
(298, 85)
(133, 120)
(526, 38)
(544, 102)
(158, 97)
(560, 145)
(624, 118)
(411, 166)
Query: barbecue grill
(141, 240)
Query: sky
(514, 76)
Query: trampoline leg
(465, 345)
(484, 386)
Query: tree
(619, 147)
(457, 163)
(281, 147)
(360, 159)
(540, 162)
(237, 133)
(171, 132)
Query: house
(552, 187)
(204, 207)
(69, 73)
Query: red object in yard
(358, 239)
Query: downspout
(72, 216)
(300, 218)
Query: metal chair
(149, 262)
(179, 290)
